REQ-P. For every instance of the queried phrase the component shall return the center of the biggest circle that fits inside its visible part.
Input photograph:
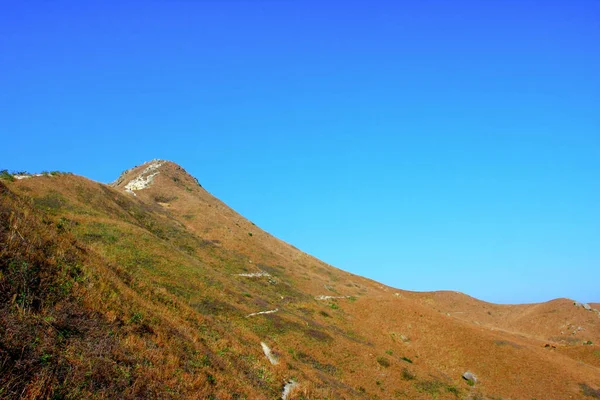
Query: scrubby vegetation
(105, 295)
(49, 339)
(4, 174)
(72, 326)
(589, 391)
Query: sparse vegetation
(453, 389)
(161, 198)
(589, 391)
(407, 375)
(383, 361)
(432, 388)
(108, 295)
(4, 174)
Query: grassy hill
(153, 288)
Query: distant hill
(153, 288)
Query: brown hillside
(187, 290)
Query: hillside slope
(198, 302)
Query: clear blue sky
(425, 144)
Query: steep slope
(211, 305)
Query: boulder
(587, 307)
(469, 376)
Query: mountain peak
(182, 277)
(143, 176)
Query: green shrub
(136, 318)
(6, 176)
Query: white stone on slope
(322, 297)
(269, 354)
(287, 389)
(262, 312)
(254, 274)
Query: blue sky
(426, 144)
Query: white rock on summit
(143, 180)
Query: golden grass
(139, 297)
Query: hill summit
(151, 287)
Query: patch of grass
(100, 232)
(211, 379)
(407, 375)
(408, 360)
(41, 291)
(589, 391)
(136, 318)
(45, 358)
(209, 306)
(334, 306)
(308, 359)
(323, 313)
(160, 198)
(432, 388)
(273, 325)
(354, 336)
(4, 174)
(51, 202)
(318, 335)
(383, 361)
(507, 343)
(453, 389)
(389, 352)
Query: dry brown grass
(150, 306)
